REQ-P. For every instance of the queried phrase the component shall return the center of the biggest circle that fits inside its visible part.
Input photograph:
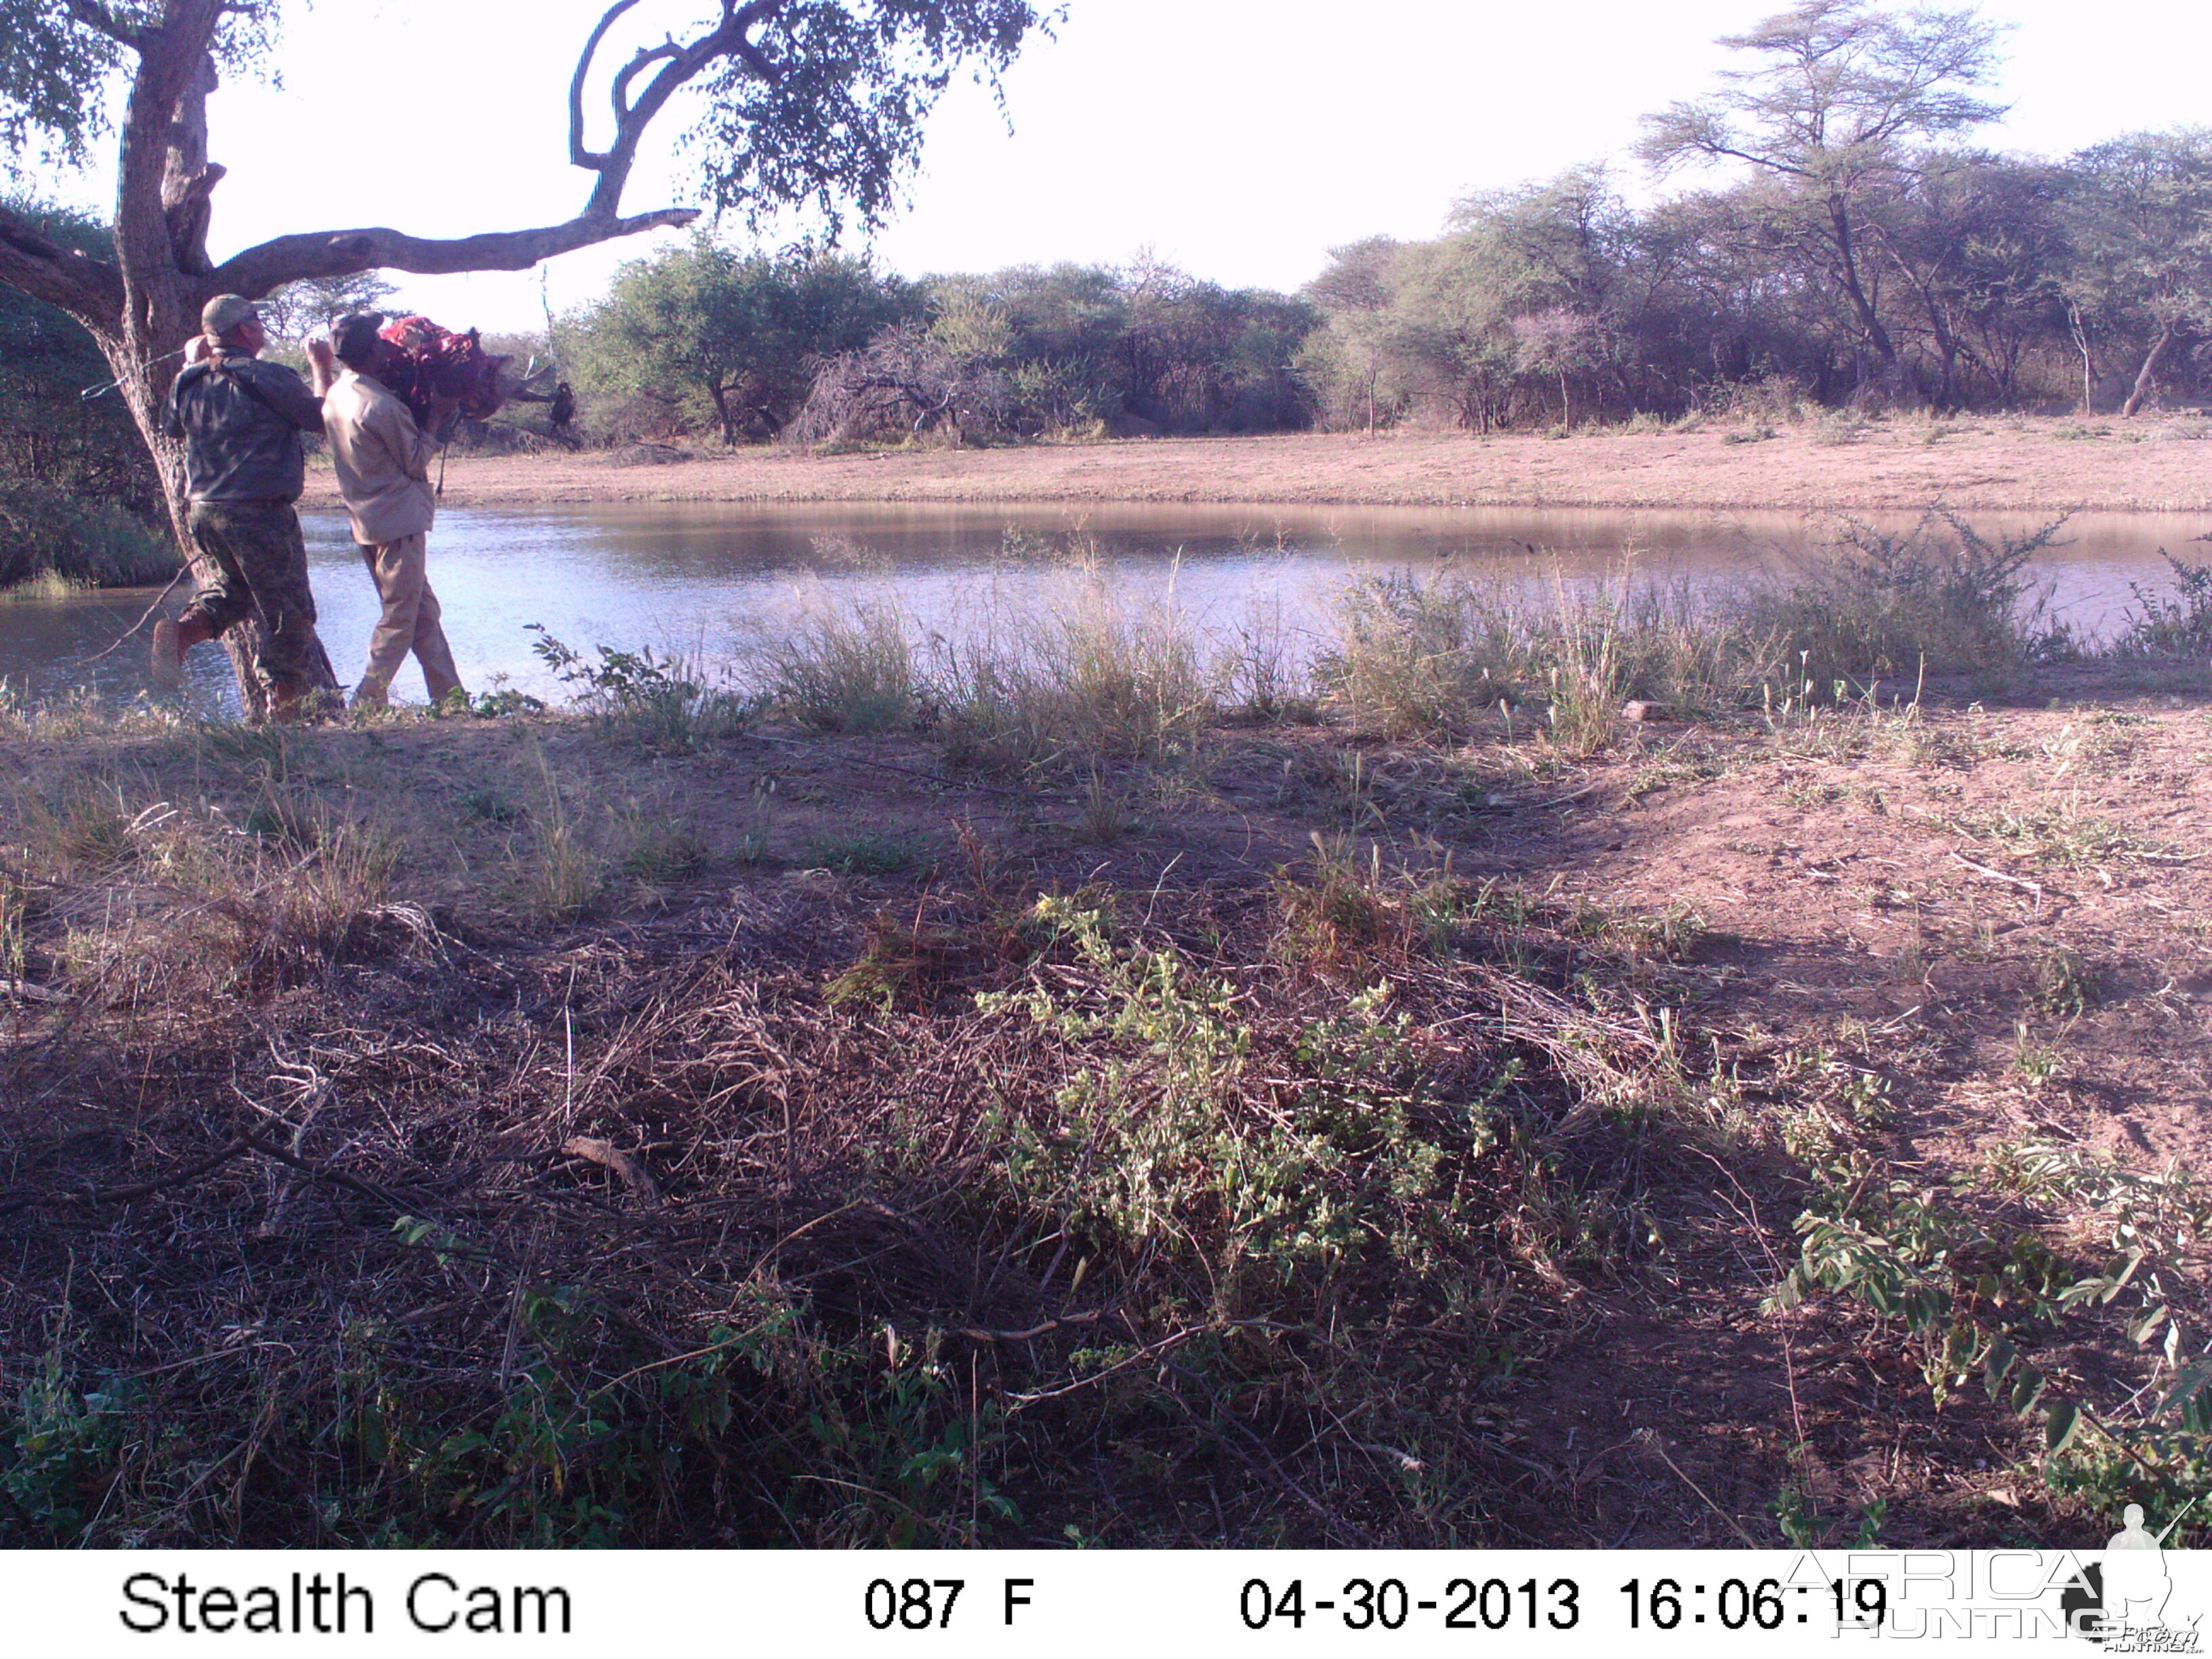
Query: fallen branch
(1035, 1331)
(189, 1173)
(625, 1167)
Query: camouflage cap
(226, 312)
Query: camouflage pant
(251, 559)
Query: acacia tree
(1841, 93)
(741, 328)
(1354, 293)
(790, 102)
(2139, 211)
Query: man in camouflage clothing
(242, 420)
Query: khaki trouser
(409, 622)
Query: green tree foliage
(76, 488)
(50, 71)
(1077, 350)
(2138, 212)
(299, 309)
(705, 331)
(1827, 122)
(1846, 245)
(1530, 287)
(853, 82)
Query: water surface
(709, 578)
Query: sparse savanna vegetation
(1518, 1062)
(1030, 1086)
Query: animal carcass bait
(428, 361)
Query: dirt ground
(1996, 917)
(2012, 464)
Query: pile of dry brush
(1209, 1218)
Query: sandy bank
(2027, 465)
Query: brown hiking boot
(168, 655)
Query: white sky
(1240, 139)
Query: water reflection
(709, 577)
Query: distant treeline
(1973, 281)
(821, 346)
(1832, 235)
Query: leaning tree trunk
(161, 223)
(2147, 381)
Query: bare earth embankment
(2024, 465)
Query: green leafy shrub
(2179, 624)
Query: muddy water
(707, 578)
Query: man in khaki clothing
(382, 459)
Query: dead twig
(1646, 1438)
(1988, 874)
(626, 1169)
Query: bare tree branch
(89, 289)
(257, 270)
(578, 152)
(678, 65)
(637, 66)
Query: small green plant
(2063, 982)
(655, 848)
(562, 878)
(2179, 624)
(662, 698)
(1841, 427)
(1942, 596)
(1794, 1513)
(1156, 1143)
(865, 853)
(849, 668)
(1107, 814)
(59, 1450)
(2039, 1066)
(501, 703)
(754, 842)
(488, 805)
(1345, 913)
(1086, 673)
(1265, 686)
(87, 829)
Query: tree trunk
(2147, 381)
(2078, 327)
(1847, 269)
(161, 234)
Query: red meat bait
(427, 360)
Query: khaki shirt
(382, 459)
